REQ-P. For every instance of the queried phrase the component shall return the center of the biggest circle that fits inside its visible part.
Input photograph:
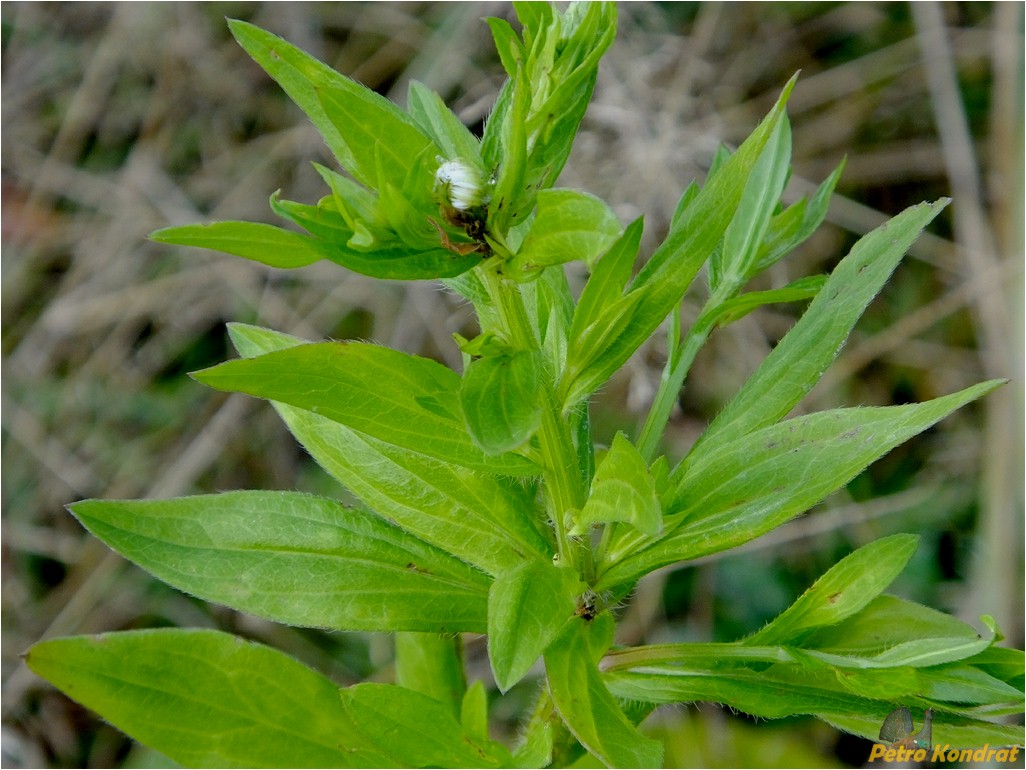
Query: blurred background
(122, 118)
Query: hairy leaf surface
(587, 706)
(208, 699)
(294, 558)
(487, 522)
(406, 400)
(527, 606)
(732, 493)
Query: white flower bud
(461, 184)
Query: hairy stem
(563, 483)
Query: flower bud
(461, 184)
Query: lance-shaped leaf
(511, 51)
(388, 145)
(323, 220)
(607, 281)
(294, 558)
(474, 711)
(501, 400)
(796, 223)
(368, 134)
(732, 493)
(739, 307)
(568, 225)
(842, 591)
(509, 142)
(587, 706)
(431, 664)
(890, 631)
(481, 519)
(805, 352)
(406, 400)
(415, 730)
(566, 55)
(623, 490)
(746, 230)
(208, 699)
(527, 606)
(961, 683)
(280, 248)
(669, 272)
(267, 244)
(783, 690)
(449, 134)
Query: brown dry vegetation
(122, 118)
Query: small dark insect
(897, 730)
(586, 606)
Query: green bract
(483, 505)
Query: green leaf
(536, 750)
(966, 684)
(267, 244)
(1006, 664)
(297, 73)
(402, 399)
(586, 351)
(293, 558)
(607, 281)
(368, 134)
(527, 606)
(733, 492)
(507, 44)
(894, 632)
(623, 490)
(386, 143)
(496, 126)
(588, 708)
(739, 307)
(550, 309)
(500, 398)
(431, 664)
(449, 134)
(845, 589)
(360, 208)
(786, 690)
(772, 693)
(474, 711)
(746, 230)
(805, 352)
(280, 248)
(414, 730)
(504, 209)
(795, 224)
(479, 518)
(207, 699)
(568, 225)
(564, 62)
(323, 220)
(684, 202)
(669, 272)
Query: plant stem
(674, 373)
(679, 654)
(563, 483)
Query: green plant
(488, 507)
